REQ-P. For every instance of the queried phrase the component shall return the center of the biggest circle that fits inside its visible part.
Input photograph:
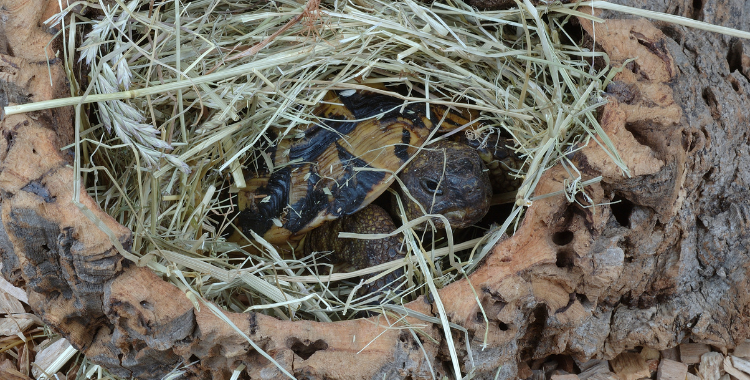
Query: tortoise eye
(431, 186)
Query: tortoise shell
(340, 164)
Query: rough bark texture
(668, 263)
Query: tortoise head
(447, 178)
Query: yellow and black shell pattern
(340, 164)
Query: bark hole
(710, 99)
(697, 8)
(565, 258)
(621, 210)
(671, 31)
(403, 338)
(692, 141)
(493, 305)
(734, 57)
(306, 350)
(633, 67)
(573, 32)
(709, 173)
(735, 85)
(583, 300)
(37, 188)
(479, 317)
(9, 138)
(562, 238)
(532, 337)
(636, 130)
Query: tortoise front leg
(360, 253)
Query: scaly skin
(360, 253)
(447, 178)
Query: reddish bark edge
(573, 280)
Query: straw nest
(185, 94)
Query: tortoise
(325, 181)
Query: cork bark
(666, 263)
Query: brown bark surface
(667, 264)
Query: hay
(182, 94)
(185, 94)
